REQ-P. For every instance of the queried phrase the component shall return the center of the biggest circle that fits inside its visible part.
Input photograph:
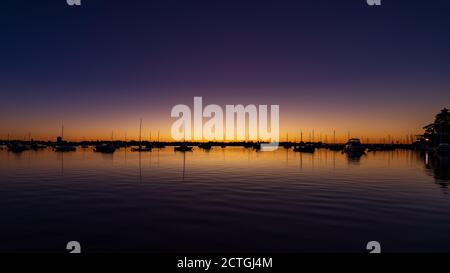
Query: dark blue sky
(118, 60)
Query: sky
(330, 65)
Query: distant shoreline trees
(438, 131)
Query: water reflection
(354, 157)
(440, 167)
(297, 198)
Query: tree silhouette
(439, 130)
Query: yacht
(354, 146)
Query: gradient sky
(331, 64)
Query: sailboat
(61, 145)
(304, 147)
(17, 147)
(106, 148)
(334, 146)
(140, 148)
(287, 144)
(149, 144)
(159, 144)
(183, 147)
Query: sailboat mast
(184, 132)
(140, 133)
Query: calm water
(226, 200)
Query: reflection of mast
(157, 161)
(287, 157)
(125, 147)
(301, 160)
(140, 134)
(140, 168)
(334, 161)
(62, 163)
(150, 160)
(184, 164)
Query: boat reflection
(354, 156)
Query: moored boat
(17, 147)
(305, 148)
(354, 146)
(183, 148)
(106, 148)
(141, 148)
(205, 146)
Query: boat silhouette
(65, 148)
(205, 146)
(141, 148)
(248, 144)
(61, 145)
(257, 146)
(107, 148)
(159, 144)
(305, 148)
(354, 147)
(183, 148)
(16, 147)
(287, 144)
